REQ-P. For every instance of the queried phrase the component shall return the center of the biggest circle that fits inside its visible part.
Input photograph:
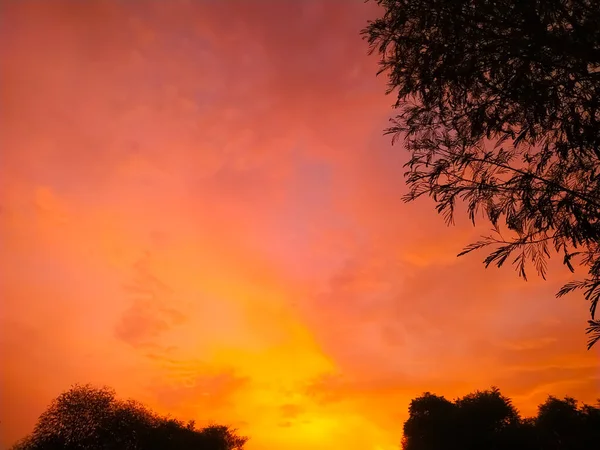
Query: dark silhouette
(92, 418)
(499, 105)
(488, 420)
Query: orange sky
(198, 209)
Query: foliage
(90, 418)
(499, 106)
(487, 419)
(429, 412)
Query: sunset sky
(198, 209)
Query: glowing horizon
(199, 210)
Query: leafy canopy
(488, 420)
(499, 105)
(90, 418)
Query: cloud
(151, 312)
(143, 321)
(204, 395)
(291, 411)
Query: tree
(431, 424)
(558, 423)
(499, 105)
(590, 416)
(92, 418)
(562, 424)
(483, 419)
(487, 419)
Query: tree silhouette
(488, 420)
(90, 418)
(499, 106)
(431, 425)
(562, 425)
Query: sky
(198, 209)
